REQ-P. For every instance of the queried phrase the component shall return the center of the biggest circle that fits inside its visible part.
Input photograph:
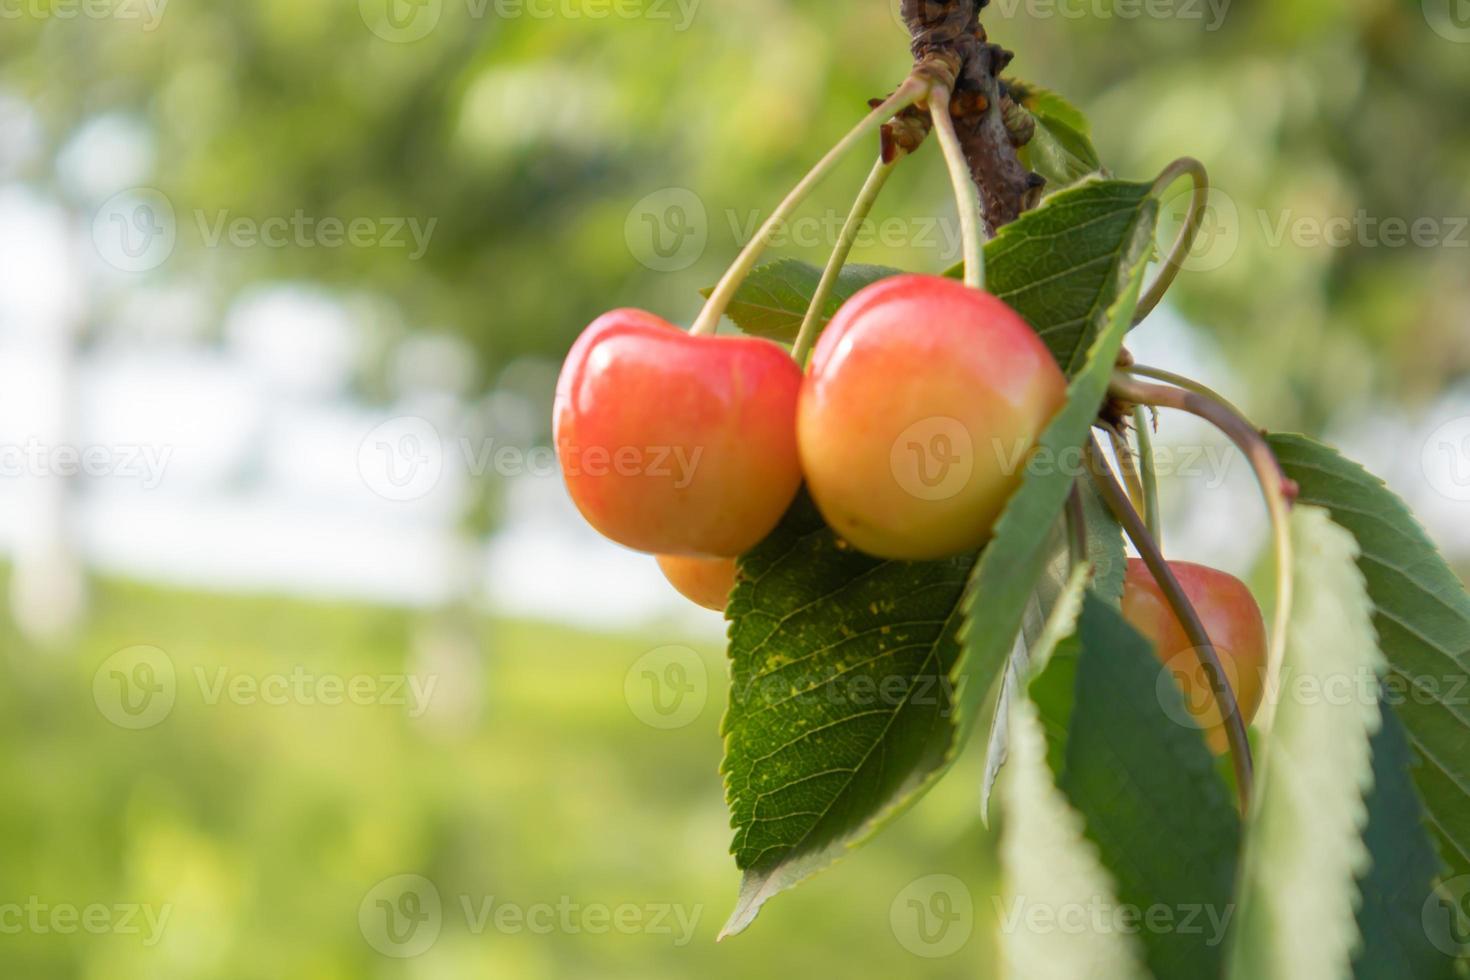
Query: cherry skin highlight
(1232, 621)
(923, 403)
(674, 444)
(703, 581)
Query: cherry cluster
(910, 429)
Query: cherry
(924, 400)
(703, 581)
(676, 444)
(1232, 621)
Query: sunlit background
(297, 605)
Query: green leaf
(1400, 883)
(1138, 772)
(1422, 615)
(1109, 559)
(1051, 874)
(1304, 849)
(773, 301)
(1061, 148)
(840, 702)
(1017, 554)
(1064, 264)
(1060, 266)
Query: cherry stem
(1148, 472)
(861, 207)
(966, 193)
(1194, 629)
(1180, 381)
(1184, 166)
(912, 90)
(1277, 489)
(1131, 479)
(1076, 526)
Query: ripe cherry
(676, 444)
(703, 581)
(920, 411)
(1232, 621)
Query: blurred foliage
(531, 131)
(264, 826)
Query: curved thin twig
(1204, 649)
(1185, 242)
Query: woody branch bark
(949, 44)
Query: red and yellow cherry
(920, 410)
(676, 444)
(703, 581)
(1232, 621)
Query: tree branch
(950, 45)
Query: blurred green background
(560, 158)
